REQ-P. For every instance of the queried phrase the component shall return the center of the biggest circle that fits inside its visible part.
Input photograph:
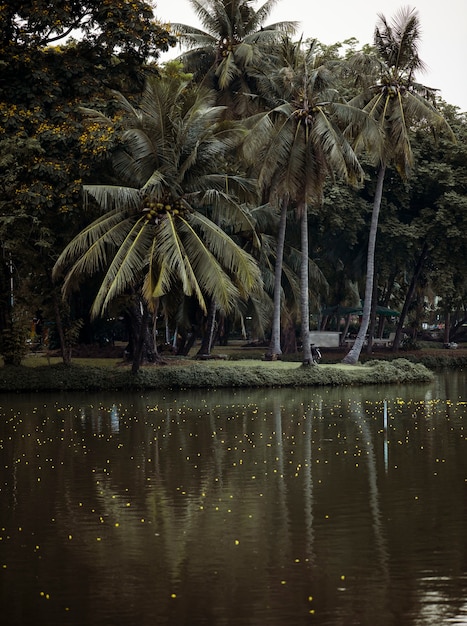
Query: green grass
(41, 360)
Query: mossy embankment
(208, 375)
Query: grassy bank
(207, 374)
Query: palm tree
(154, 234)
(298, 144)
(222, 56)
(395, 102)
(233, 41)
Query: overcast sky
(443, 45)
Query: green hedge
(205, 375)
(448, 358)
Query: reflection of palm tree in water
(308, 490)
(282, 516)
(358, 415)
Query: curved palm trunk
(274, 350)
(354, 354)
(304, 287)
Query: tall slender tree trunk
(274, 350)
(354, 353)
(409, 297)
(304, 287)
(447, 327)
(6, 291)
(346, 330)
(65, 349)
(372, 324)
(145, 347)
(386, 300)
(139, 347)
(288, 335)
(207, 340)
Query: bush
(409, 343)
(13, 346)
(399, 370)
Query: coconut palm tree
(395, 101)
(298, 144)
(234, 39)
(154, 234)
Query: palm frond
(245, 53)
(191, 36)
(397, 41)
(339, 154)
(240, 265)
(111, 196)
(227, 70)
(94, 244)
(170, 250)
(212, 15)
(214, 280)
(126, 268)
(157, 279)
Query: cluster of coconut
(225, 47)
(156, 209)
(392, 88)
(305, 115)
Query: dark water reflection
(256, 508)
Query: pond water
(343, 506)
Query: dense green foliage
(58, 59)
(46, 153)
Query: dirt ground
(329, 354)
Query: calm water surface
(252, 508)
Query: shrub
(399, 370)
(409, 343)
(13, 346)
